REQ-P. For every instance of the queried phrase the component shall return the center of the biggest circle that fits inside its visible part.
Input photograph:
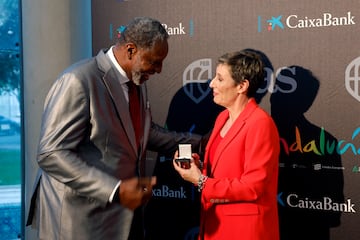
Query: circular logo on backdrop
(197, 73)
(352, 78)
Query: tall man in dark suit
(91, 176)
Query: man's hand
(146, 184)
(135, 191)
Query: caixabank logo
(298, 21)
(181, 28)
(293, 200)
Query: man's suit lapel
(112, 82)
(145, 106)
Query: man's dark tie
(134, 107)
(137, 226)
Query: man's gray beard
(136, 76)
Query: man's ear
(131, 50)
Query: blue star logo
(275, 21)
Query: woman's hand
(191, 174)
(197, 160)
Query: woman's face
(225, 90)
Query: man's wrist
(115, 195)
(116, 198)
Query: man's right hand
(135, 191)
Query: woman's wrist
(201, 182)
(201, 165)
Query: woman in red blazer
(238, 180)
